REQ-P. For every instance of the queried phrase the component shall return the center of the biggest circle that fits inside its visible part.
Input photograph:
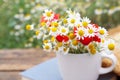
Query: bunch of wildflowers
(71, 34)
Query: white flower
(47, 47)
(81, 32)
(53, 31)
(65, 50)
(91, 31)
(111, 11)
(85, 22)
(38, 34)
(27, 17)
(73, 15)
(118, 8)
(30, 27)
(45, 36)
(55, 24)
(21, 31)
(102, 32)
(17, 33)
(73, 18)
(32, 11)
(49, 15)
(72, 22)
(17, 27)
(63, 30)
(62, 50)
(98, 11)
(108, 46)
(74, 44)
(28, 45)
(16, 16)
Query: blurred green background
(15, 14)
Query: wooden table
(12, 62)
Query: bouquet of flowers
(71, 34)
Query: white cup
(83, 66)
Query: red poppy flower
(59, 38)
(95, 25)
(74, 30)
(43, 19)
(86, 40)
(56, 16)
(96, 38)
(65, 38)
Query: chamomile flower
(49, 15)
(80, 33)
(72, 14)
(91, 48)
(93, 51)
(109, 46)
(53, 40)
(53, 31)
(55, 24)
(73, 22)
(65, 21)
(65, 50)
(38, 34)
(71, 36)
(102, 32)
(63, 30)
(58, 47)
(27, 17)
(47, 47)
(85, 22)
(29, 27)
(91, 31)
(74, 44)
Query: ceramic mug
(83, 66)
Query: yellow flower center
(28, 27)
(56, 48)
(52, 39)
(31, 39)
(93, 51)
(78, 25)
(59, 44)
(47, 47)
(65, 21)
(84, 23)
(38, 5)
(37, 32)
(55, 24)
(71, 36)
(64, 49)
(63, 30)
(102, 32)
(48, 14)
(27, 15)
(81, 32)
(111, 46)
(91, 46)
(42, 23)
(45, 41)
(75, 42)
(54, 29)
(90, 31)
(72, 21)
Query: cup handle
(109, 69)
